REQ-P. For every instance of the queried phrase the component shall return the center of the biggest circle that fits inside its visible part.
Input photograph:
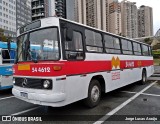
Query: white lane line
(100, 121)
(6, 98)
(28, 110)
(147, 94)
(129, 92)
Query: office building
(8, 17)
(23, 12)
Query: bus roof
(5, 46)
(85, 26)
(102, 31)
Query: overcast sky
(155, 4)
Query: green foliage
(148, 40)
(3, 37)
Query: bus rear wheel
(94, 94)
(144, 77)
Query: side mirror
(69, 34)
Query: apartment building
(23, 12)
(114, 17)
(145, 21)
(8, 17)
(80, 11)
(46, 8)
(93, 13)
(60, 8)
(129, 19)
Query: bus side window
(93, 41)
(5, 56)
(74, 48)
(145, 50)
(137, 49)
(127, 47)
(112, 44)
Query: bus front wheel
(94, 94)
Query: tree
(3, 37)
(147, 40)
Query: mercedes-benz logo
(24, 83)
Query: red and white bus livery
(72, 62)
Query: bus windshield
(39, 45)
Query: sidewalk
(156, 69)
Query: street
(132, 100)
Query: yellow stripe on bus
(23, 67)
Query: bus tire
(94, 94)
(144, 77)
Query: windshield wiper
(30, 54)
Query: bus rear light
(57, 68)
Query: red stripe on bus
(76, 67)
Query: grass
(156, 61)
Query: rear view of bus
(60, 62)
(6, 62)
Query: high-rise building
(129, 19)
(104, 15)
(42, 9)
(23, 10)
(145, 21)
(80, 11)
(70, 9)
(46, 8)
(114, 17)
(92, 13)
(8, 17)
(60, 8)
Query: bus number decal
(41, 69)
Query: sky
(155, 4)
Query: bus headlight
(46, 84)
(14, 81)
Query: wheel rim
(95, 94)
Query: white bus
(75, 62)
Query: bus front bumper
(37, 97)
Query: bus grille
(31, 83)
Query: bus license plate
(24, 95)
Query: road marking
(129, 92)
(101, 120)
(28, 110)
(147, 94)
(6, 98)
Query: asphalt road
(130, 102)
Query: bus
(80, 63)
(7, 56)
